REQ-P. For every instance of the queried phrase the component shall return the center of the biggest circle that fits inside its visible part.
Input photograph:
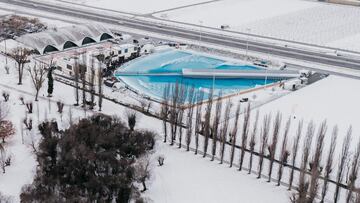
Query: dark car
(109, 82)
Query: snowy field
(298, 20)
(136, 6)
(333, 98)
(188, 178)
(184, 177)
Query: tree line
(184, 113)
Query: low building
(95, 57)
(66, 37)
(124, 51)
(87, 68)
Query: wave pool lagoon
(151, 74)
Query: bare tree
(353, 173)
(29, 106)
(190, 114)
(4, 111)
(274, 142)
(329, 163)
(38, 112)
(303, 183)
(21, 98)
(164, 113)
(60, 106)
(6, 129)
(174, 112)
(161, 160)
(180, 124)
(244, 135)
(215, 127)
(357, 198)
(341, 166)
(20, 55)
(315, 167)
(284, 151)
(3, 157)
(224, 130)
(76, 81)
(198, 120)
(82, 71)
(6, 96)
(252, 142)
(37, 75)
(131, 118)
(100, 84)
(233, 135)
(142, 171)
(264, 141)
(28, 123)
(71, 121)
(295, 150)
(207, 122)
(92, 86)
(181, 110)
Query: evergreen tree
(92, 161)
(50, 82)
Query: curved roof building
(66, 37)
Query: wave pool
(146, 81)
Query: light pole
(5, 53)
(265, 77)
(213, 84)
(248, 30)
(6, 59)
(200, 26)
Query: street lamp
(200, 26)
(6, 60)
(266, 76)
(5, 53)
(248, 30)
(213, 84)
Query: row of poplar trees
(187, 118)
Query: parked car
(118, 34)
(109, 83)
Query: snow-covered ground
(333, 99)
(221, 182)
(297, 20)
(188, 178)
(207, 181)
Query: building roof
(66, 37)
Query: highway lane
(206, 37)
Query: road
(206, 37)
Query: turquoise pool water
(173, 61)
